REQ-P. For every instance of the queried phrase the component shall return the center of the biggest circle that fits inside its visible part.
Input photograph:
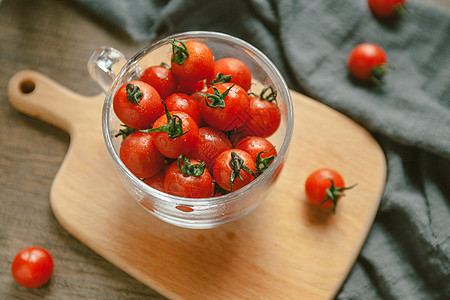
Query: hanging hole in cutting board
(27, 86)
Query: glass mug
(109, 68)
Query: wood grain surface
(56, 38)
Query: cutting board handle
(37, 95)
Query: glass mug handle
(104, 65)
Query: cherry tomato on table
(264, 114)
(233, 169)
(162, 79)
(137, 104)
(260, 149)
(368, 63)
(140, 155)
(233, 70)
(224, 106)
(32, 267)
(188, 178)
(191, 61)
(325, 187)
(386, 8)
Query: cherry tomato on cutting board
(140, 155)
(188, 178)
(368, 63)
(137, 104)
(32, 267)
(325, 187)
(162, 79)
(191, 61)
(233, 169)
(386, 8)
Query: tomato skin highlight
(172, 148)
(222, 170)
(32, 267)
(211, 142)
(198, 65)
(364, 58)
(185, 103)
(385, 8)
(318, 182)
(161, 79)
(178, 184)
(139, 115)
(240, 73)
(233, 115)
(264, 118)
(139, 154)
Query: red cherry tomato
(140, 155)
(192, 61)
(190, 87)
(236, 71)
(386, 8)
(162, 79)
(182, 141)
(157, 181)
(32, 267)
(188, 178)
(211, 142)
(264, 114)
(325, 187)
(224, 106)
(368, 62)
(233, 169)
(260, 149)
(183, 102)
(137, 104)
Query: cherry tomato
(260, 149)
(183, 102)
(224, 106)
(325, 187)
(211, 142)
(157, 181)
(175, 133)
(192, 61)
(264, 114)
(162, 79)
(386, 8)
(233, 169)
(233, 70)
(140, 155)
(32, 267)
(188, 178)
(368, 62)
(190, 87)
(137, 104)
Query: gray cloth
(407, 253)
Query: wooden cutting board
(285, 249)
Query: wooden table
(56, 38)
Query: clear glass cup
(109, 68)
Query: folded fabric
(407, 253)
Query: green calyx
(174, 126)
(220, 78)
(134, 94)
(334, 193)
(126, 131)
(237, 164)
(217, 99)
(377, 74)
(271, 96)
(262, 164)
(179, 51)
(189, 169)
